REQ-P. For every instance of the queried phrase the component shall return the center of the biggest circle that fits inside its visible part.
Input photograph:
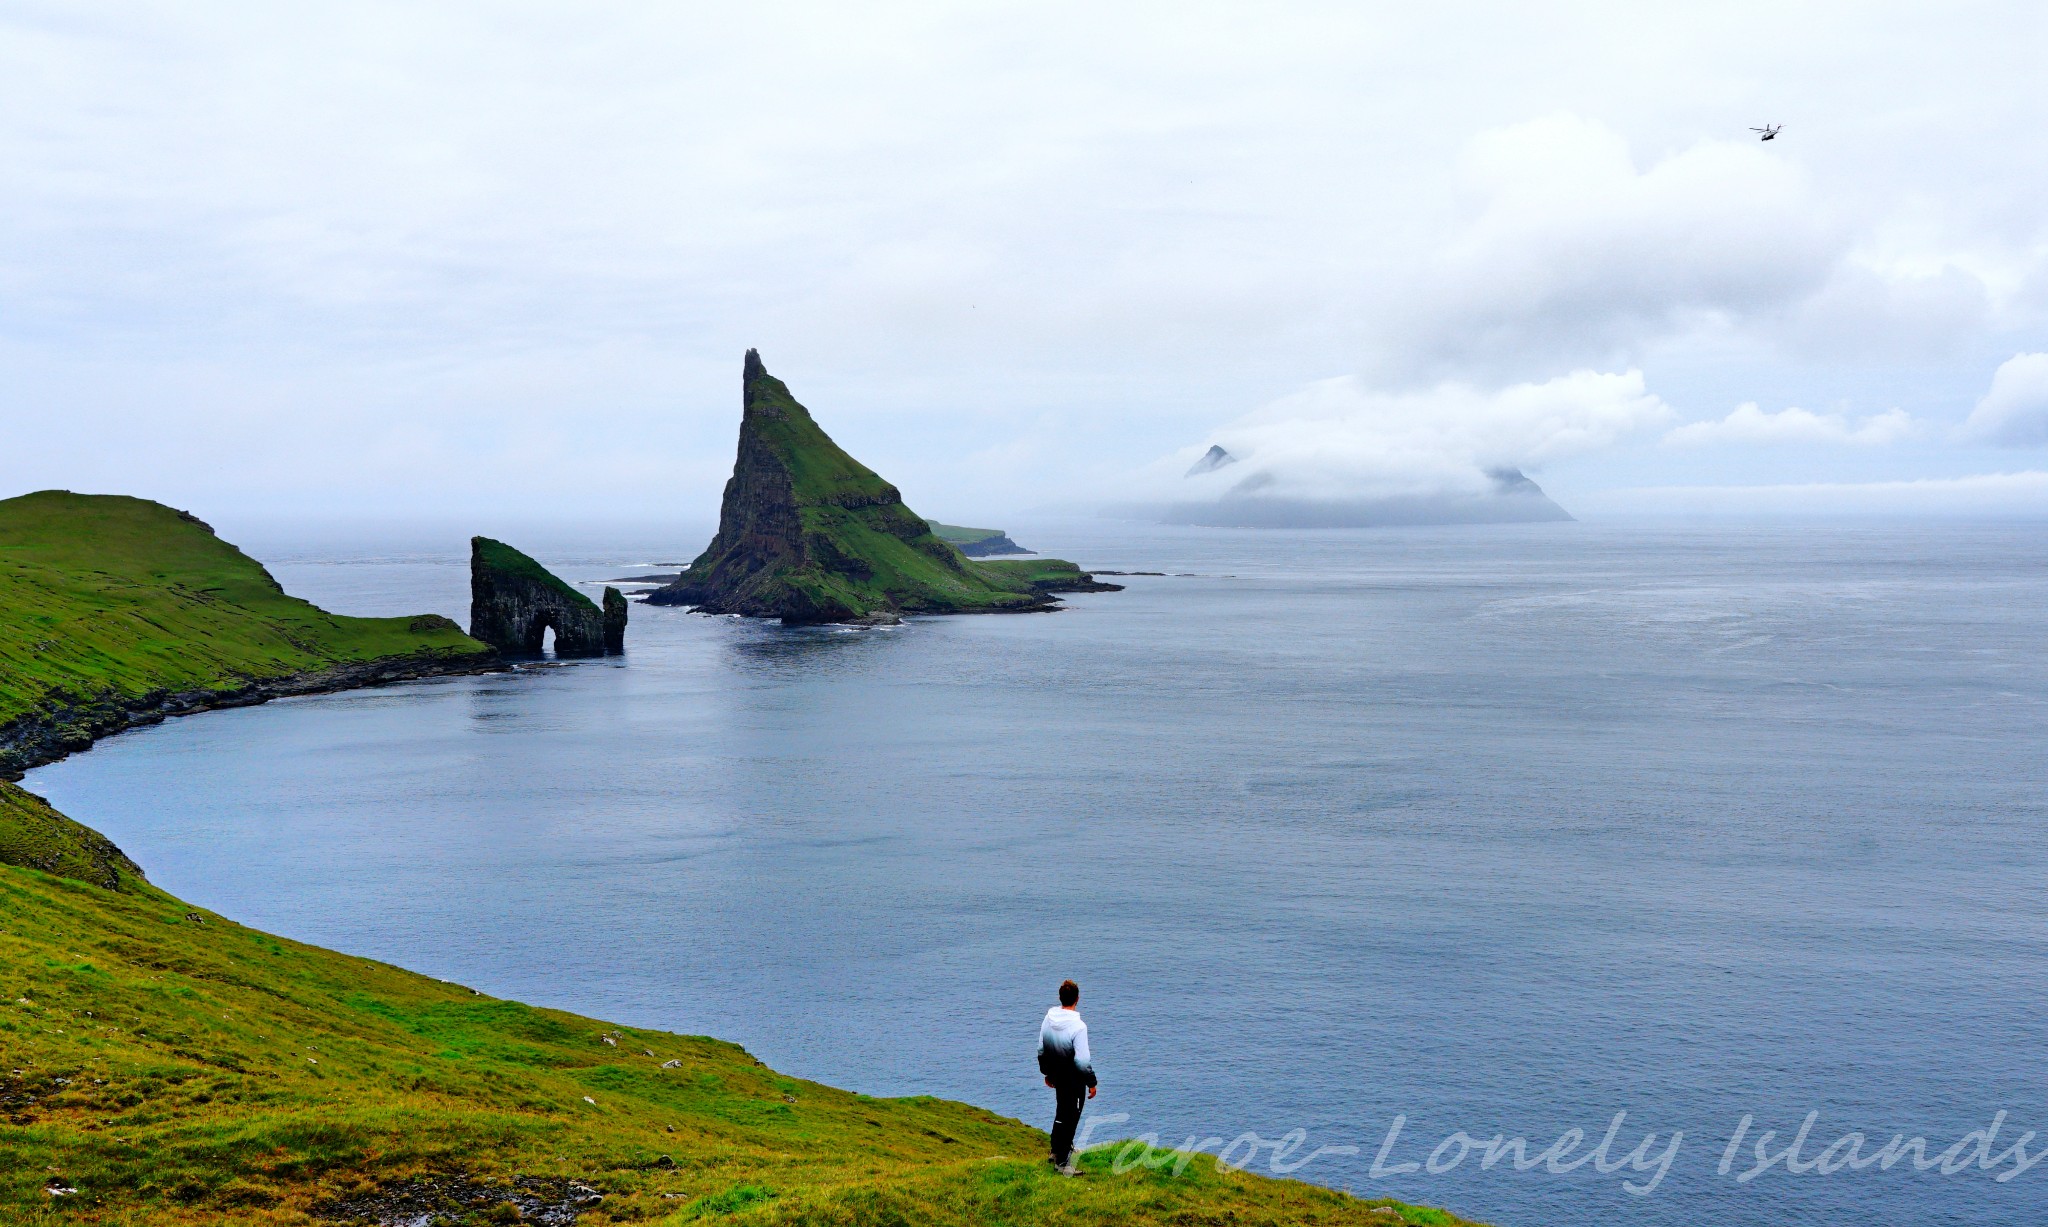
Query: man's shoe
(1068, 1169)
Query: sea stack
(806, 533)
(614, 622)
(514, 601)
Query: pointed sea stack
(514, 601)
(809, 534)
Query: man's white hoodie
(1063, 1048)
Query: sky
(448, 260)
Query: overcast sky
(465, 259)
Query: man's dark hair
(1070, 992)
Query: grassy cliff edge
(177, 1068)
(162, 1065)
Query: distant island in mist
(1261, 499)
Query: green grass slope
(35, 835)
(975, 542)
(954, 534)
(1046, 575)
(865, 559)
(809, 534)
(501, 557)
(176, 1068)
(108, 601)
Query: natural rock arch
(514, 602)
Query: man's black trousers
(1068, 1099)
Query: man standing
(1063, 1059)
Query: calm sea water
(1494, 830)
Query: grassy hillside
(503, 558)
(869, 558)
(954, 534)
(1046, 575)
(975, 542)
(176, 1068)
(34, 835)
(106, 600)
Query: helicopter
(1769, 131)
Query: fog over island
(385, 260)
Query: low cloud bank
(1749, 425)
(1340, 453)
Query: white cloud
(1577, 253)
(2014, 413)
(1902, 310)
(1075, 232)
(1340, 439)
(1748, 424)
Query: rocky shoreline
(991, 547)
(66, 726)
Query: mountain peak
(764, 396)
(1212, 460)
(807, 533)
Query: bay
(1501, 831)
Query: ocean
(1406, 843)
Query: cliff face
(514, 601)
(807, 533)
(990, 547)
